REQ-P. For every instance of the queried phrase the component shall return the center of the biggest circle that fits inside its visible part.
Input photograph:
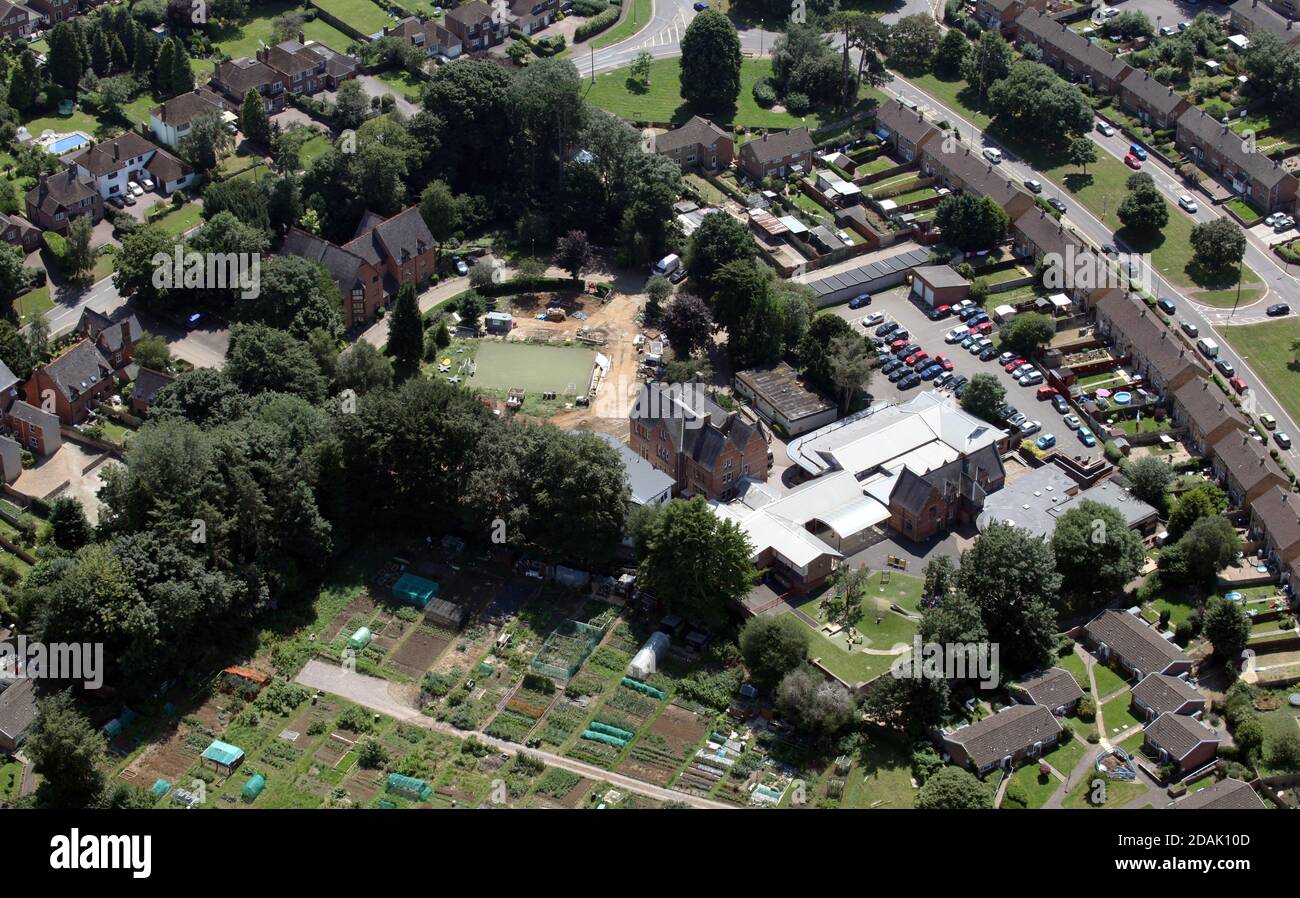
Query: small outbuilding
(253, 788)
(414, 590)
(646, 661)
(498, 322)
(939, 285)
(222, 757)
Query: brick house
(54, 11)
(1154, 351)
(1224, 153)
(18, 232)
(1275, 520)
(939, 285)
(1014, 734)
(904, 129)
(1206, 414)
(33, 429)
(73, 382)
(698, 144)
(1133, 645)
(963, 168)
(16, 21)
(1225, 795)
(1182, 741)
(1162, 694)
(147, 384)
(1246, 469)
(922, 506)
(1002, 14)
(775, 154)
(114, 336)
(1251, 16)
(1156, 105)
(1072, 54)
(235, 77)
(703, 447)
(1055, 689)
(429, 36)
(61, 197)
(369, 269)
(473, 25)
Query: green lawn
(1118, 714)
(1038, 787)
(1107, 680)
(1117, 793)
(882, 777)
(620, 94)
(178, 221)
(363, 15)
(1267, 349)
(637, 14)
(1074, 665)
(851, 668)
(313, 149)
(32, 303)
(241, 39)
(1179, 607)
(11, 780)
(400, 82)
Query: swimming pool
(63, 144)
(1123, 397)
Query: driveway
(66, 466)
(376, 88)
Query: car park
(987, 353)
(1282, 440)
(1031, 379)
(1269, 422)
(1060, 403)
(1239, 385)
(1277, 310)
(1187, 203)
(862, 299)
(1105, 129)
(1086, 437)
(1073, 422)
(1046, 441)
(1225, 368)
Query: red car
(1132, 161)
(944, 361)
(897, 345)
(943, 311)
(1012, 365)
(1239, 385)
(984, 329)
(1045, 393)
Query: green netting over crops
(414, 590)
(408, 786)
(565, 649)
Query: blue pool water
(1123, 398)
(68, 144)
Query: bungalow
(1054, 689)
(1072, 54)
(235, 77)
(904, 129)
(1010, 736)
(697, 144)
(19, 233)
(429, 36)
(1224, 153)
(1206, 414)
(16, 20)
(172, 120)
(1275, 519)
(1162, 694)
(1156, 105)
(1246, 469)
(1153, 349)
(1182, 741)
(147, 384)
(776, 154)
(1251, 16)
(369, 269)
(1131, 643)
(113, 164)
(1225, 795)
(475, 26)
(531, 16)
(74, 381)
(61, 197)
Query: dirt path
(374, 693)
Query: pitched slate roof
(1160, 97)
(1263, 18)
(1206, 405)
(978, 175)
(61, 190)
(1279, 511)
(404, 233)
(346, 268)
(1046, 232)
(8, 380)
(291, 57)
(698, 130)
(1051, 688)
(78, 369)
(1229, 144)
(147, 384)
(1162, 693)
(1138, 643)
(471, 13)
(18, 708)
(644, 480)
(1178, 734)
(1225, 795)
(1057, 35)
(166, 168)
(110, 156)
(30, 414)
(1144, 332)
(184, 108)
(93, 323)
(1009, 731)
(907, 123)
(238, 75)
(777, 145)
(1247, 461)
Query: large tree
(1208, 546)
(1150, 478)
(772, 647)
(719, 239)
(406, 333)
(971, 222)
(989, 61)
(253, 119)
(1036, 103)
(954, 789)
(687, 324)
(913, 42)
(813, 704)
(1143, 210)
(983, 396)
(1201, 501)
(1218, 244)
(1028, 333)
(1096, 552)
(1011, 575)
(695, 562)
(66, 752)
(710, 70)
(1227, 628)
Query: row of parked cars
(128, 197)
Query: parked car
(1033, 185)
(1269, 422)
(910, 381)
(462, 267)
(938, 313)
(129, 198)
(993, 154)
(1044, 393)
(969, 340)
(985, 327)
(873, 319)
(944, 362)
(1109, 250)
(1006, 357)
(1137, 151)
(1285, 223)
(1239, 385)
(116, 202)
(1273, 218)
(1013, 365)
(981, 344)
(932, 372)
(1046, 441)
(1277, 310)
(862, 299)
(1190, 329)
(943, 379)
(901, 333)
(956, 335)
(1073, 422)
(1225, 368)
(1105, 129)
(136, 189)
(1166, 305)
(1282, 440)
(1086, 437)
(887, 328)
(1056, 204)
(1060, 403)
(1029, 428)
(1031, 379)
(700, 6)
(1017, 419)
(898, 373)
(1189, 205)
(1132, 161)
(987, 353)
(146, 182)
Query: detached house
(59, 198)
(172, 120)
(1225, 795)
(1227, 155)
(18, 232)
(1012, 735)
(1156, 105)
(145, 390)
(697, 144)
(1206, 414)
(308, 67)
(115, 337)
(1133, 645)
(113, 164)
(54, 11)
(531, 16)
(73, 381)
(1246, 469)
(235, 77)
(1275, 519)
(16, 21)
(1072, 54)
(473, 25)
(369, 269)
(776, 154)
(703, 447)
(429, 36)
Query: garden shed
(442, 613)
(413, 590)
(222, 757)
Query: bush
(764, 93)
(798, 104)
(596, 24)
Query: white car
(873, 319)
(1185, 200)
(136, 189)
(993, 154)
(146, 183)
(1105, 129)
(1284, 223)
(1275, 217)
(1110, 12)
(956, 335)
(1072, 422)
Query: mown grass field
(1269, 350)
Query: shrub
(596, 24)
(764, 93)
(798, 104)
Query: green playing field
(533, 366)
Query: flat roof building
(784, 398)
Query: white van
(1208, 347)
(668, 264)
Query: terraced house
(1155, 352)
(1245, 469)
(1251, 17)
(1072, 54)
(905, 130)
(1156, 105)
(776, 154)
(963, 168)
(1235, 160)
(1162, 694)
(1206, 415)
(1275, 522)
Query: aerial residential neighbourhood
(650, 404)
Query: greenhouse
(409, 786)
(253, 787)
(412, 590)
(359, 639)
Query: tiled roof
(1140, 645)
(1231, 145)
(1046, 30)
(1009, 731)
(1207, 405)
(18, 708)
(470, 13)
(147, 384)
(61, 190)
(1263, 18)
(78, 369)
(698, 130)
(111, 155)
(1247, 461)
(183, 109)
(907, 123)
(1279, 511)
(1162, 693)
(1160, 97)
(93, 323)
(405, 232)
(1147, 335)
(346, 268)
(1051, 688)
(1178, 734)
(779, 144)
(1225, 795)
(238, 75)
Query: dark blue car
(862, 299)
(932, 372)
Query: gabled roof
(1146, 334)
(93, 324)
(1051, 688)
(184, 108)
(59, 191)
(147, 384)
(1232, 146)
(1047, 233)
(238, 75)
(166, 168)
(291, 57)
(978, 175)
(470, 13)
(1207, 406)
(109, 156)
(1007, 732)
(30, 414)
(907, 123)
(346, 268)
(1279, 511)
(1247, 461)
(1045, 30)
(1140, 645)
(8, 380)
(698, 130)
(1179, 735)
(1260, 17)
(1225, 795)
(1160, 97)
(777, 145)
(644, 480)
(78, 369)
(18, 708)
(1162, 693)
(403, 236)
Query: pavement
(374, 693)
